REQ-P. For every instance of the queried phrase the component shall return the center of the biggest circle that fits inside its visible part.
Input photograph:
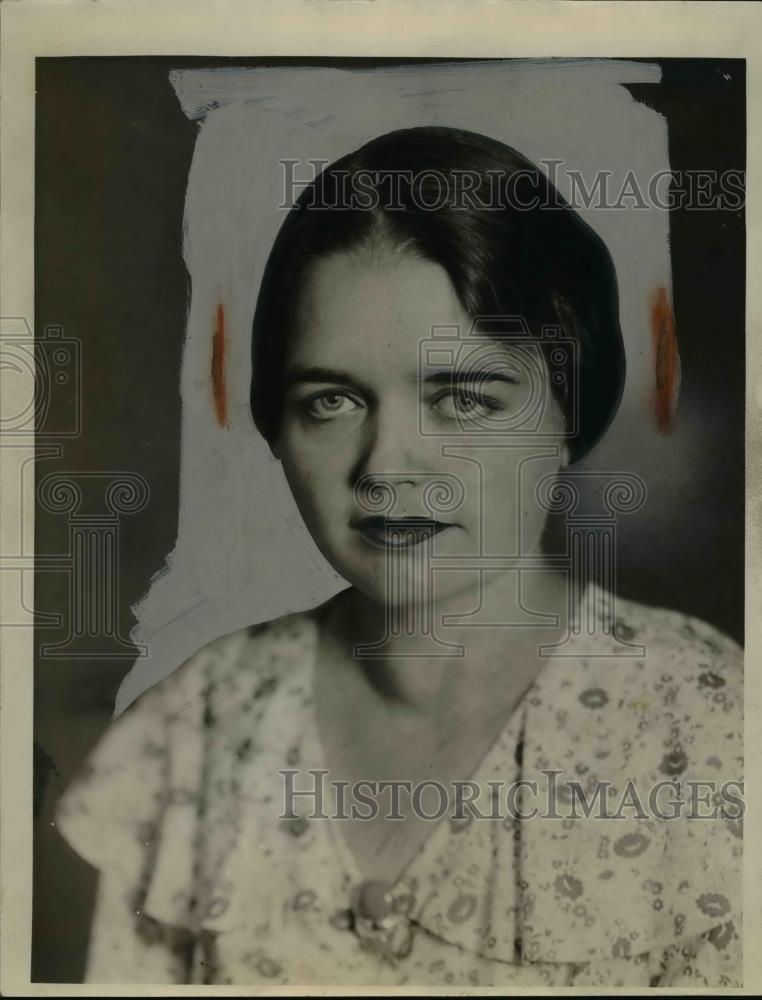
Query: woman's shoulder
(655, 633)
(236, 669)
(248, 656)
(670, 621)
(152, 755)
(655, 679)
(688, 645)
(668, 685)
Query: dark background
(113, 150)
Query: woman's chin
(409, 587)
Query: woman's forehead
(351, 301)
(389, 311)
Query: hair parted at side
(508, 241)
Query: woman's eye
(465, 404)
(328, 405)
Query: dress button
(343, 920)
(373, 902)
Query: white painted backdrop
(243, 554)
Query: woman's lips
(398, 532)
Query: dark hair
(508, 241)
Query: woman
(436, 339)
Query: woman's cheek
(316, 480)
(535, 498)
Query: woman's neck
(461, 646)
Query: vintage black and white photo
(389, 492)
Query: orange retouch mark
(667, 360)
(219, 347)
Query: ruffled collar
(540, 890)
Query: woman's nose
(392, 450)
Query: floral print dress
(201, 882)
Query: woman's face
(451, 434)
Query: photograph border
(336, 28)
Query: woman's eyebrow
(466, 376)
(299, 374)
